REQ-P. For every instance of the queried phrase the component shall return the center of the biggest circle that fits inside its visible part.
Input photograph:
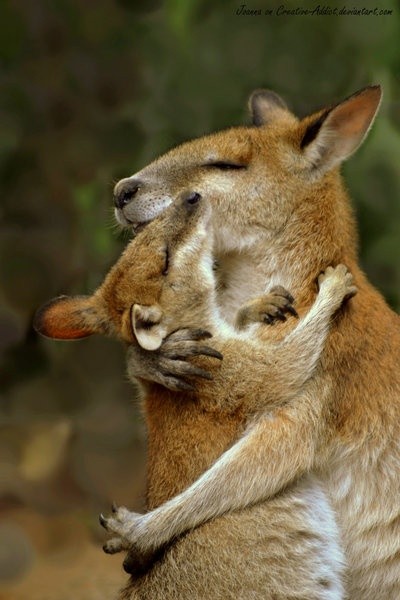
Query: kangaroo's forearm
(273, 373)
(273, 452)
(260, 377)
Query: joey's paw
(170, 365)
(338, 281)
(272, 307)
(175, 351)
(277, 304)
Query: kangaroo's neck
(318, 232)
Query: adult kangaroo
(281, 215)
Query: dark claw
(185, 369)
(197, 372)
(114, 507)
(280, 315)
(184, 386)
(175, 383)
(289, 297)
(190, 335)
(103, 521)
(268, 319)
(279, 290)
(183, 353)
(201, 334)
(207, 351)
(292, 311)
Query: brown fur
(283, 219)
(285, 548)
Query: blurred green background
(91, 91)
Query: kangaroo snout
(125, 191)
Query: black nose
(191, 199)
(125, 192)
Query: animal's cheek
(171, 290)
(215, 184)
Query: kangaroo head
(161, 282)
(254, 176)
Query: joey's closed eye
(225, 165)
(166, 263)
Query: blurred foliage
(91, 91)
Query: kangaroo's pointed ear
(67, 318)
(332, 135)
(146, 324)
(265, 106)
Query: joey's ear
(265, 106)
(334, 134)
(66, 318)
(146, 324)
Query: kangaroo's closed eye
(225, 165)
(166, 263)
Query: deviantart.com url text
(317, 11)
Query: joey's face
(161, 280)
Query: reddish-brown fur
(294, 533)
(283, 219)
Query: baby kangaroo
(162, 291)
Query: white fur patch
(191, 247)
(218, 182)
